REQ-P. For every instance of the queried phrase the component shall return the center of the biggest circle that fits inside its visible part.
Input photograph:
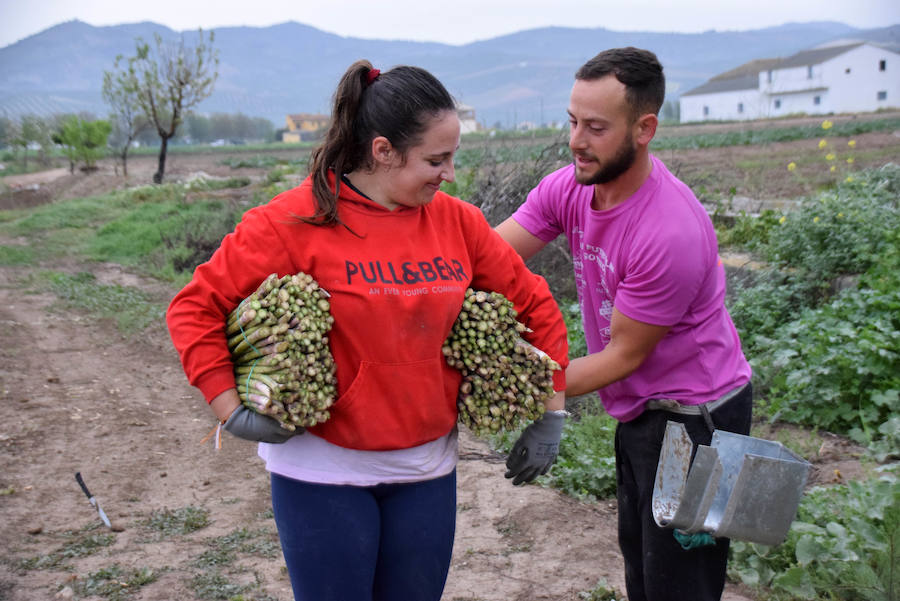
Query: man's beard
(616, 166)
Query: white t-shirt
(313, 459)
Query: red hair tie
(371, 76)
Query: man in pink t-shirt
(651, 286)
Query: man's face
(600, 130)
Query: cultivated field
(192, 522)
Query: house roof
(815, 56)
(752, 68)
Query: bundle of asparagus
(278, 339)
(505, 380)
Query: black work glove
(536, 449)
(250, 425)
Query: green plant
(171, 522)
(207, 183)
(223, 550)
(114, 583)
(749, 232)
(840, 231)
(256, 161)
(214, 585)
(768, 299)
(844, 544)
(130, 307)
(601, 592)
(15, 255)
(586, 466)
(571, 312)
(838, 367)
(80, 543)
(83, 140)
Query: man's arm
(525, 243)
(630, 343)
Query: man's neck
(614, 193)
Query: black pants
(657, 568)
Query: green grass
(16, 255)
(130, 308)
(79, 543)
(114, 583)
(224, 550)
(174, 522)
(150, 229)
(213, 585)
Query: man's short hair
(639, 70)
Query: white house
(467, 121)
(857, 77)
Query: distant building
(857, 77)
(467, 121)
(304, 127)
(307, 126)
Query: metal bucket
(739, 487)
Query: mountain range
(293, 68)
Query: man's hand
(536, 449)
(256, 427)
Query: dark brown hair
(639, 70)
(397, 104)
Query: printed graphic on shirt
(436, 275)
(594, 257)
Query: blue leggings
(389, 542)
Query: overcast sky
(451, 22)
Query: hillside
(287, 68)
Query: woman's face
(413, 182)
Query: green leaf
(797, 582)
(808, 550)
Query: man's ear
(383, 151)
(645, 128)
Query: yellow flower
(792, 165)
(783, 219)
(849, 179)
(840, 215)
(815, 220)
(822, 143)
(830, 156)
(850, 161)
(827, 124)
(832, 168)
(852, 143)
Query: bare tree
(170, 79)
(120, 92)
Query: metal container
(739, 487)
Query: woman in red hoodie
(365, 503)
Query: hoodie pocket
(394, 406)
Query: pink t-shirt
(655, 258)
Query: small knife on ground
(92, 500)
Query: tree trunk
(124, 157)
(158, 176)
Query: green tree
(83, 140)
(6, 130)
(120, 92)
(198, 129)
(31, 132)
(169, 79)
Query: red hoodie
(397, 282)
